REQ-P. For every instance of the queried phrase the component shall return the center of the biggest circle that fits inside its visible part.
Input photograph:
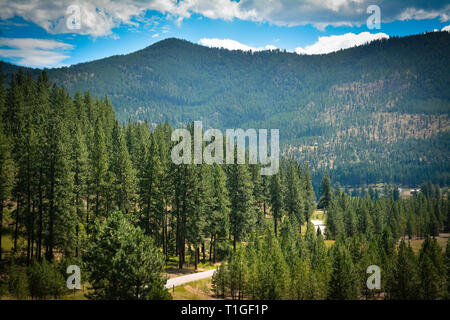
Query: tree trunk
(33, 211)
(203, 251)
(180, 258)
(214, 253)
(264, 205)
(39, 244)
(28, 218)
(210, 248)
(87, 212)
(196, 254)
(275, 223)
(28, 222)
(76, 247)
(16, 228)
(166, 235)
(49, 251)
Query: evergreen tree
(123, 262)
(98, 169)
(124, 178)
(342, 285)
(61, 209)
(335, 223)
(309, 192)
(294, 201)
(7, 172)
(351, 223)
(326, 192)
(431, 266)
(242, 216)
(404, 282)
(218, 219)
(80, 170)
(276, 200)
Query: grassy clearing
(318, 215)
(173, 271)
(416, 244)
(329, 243)
(7, 242)
(197, 290)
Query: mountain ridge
(335, 111)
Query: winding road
(178, 281)
(319, 224)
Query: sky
(45, 34)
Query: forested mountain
(375, 113)
(80, 189)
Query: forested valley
(377, 113)
(77, 187)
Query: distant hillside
(375, 113)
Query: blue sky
(36, 33)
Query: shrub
(45, 280)
(18, 283)
(224, 250)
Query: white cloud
(270, 47)
(34, 52)
(100, 17)
(446, 28)
(322, 46)
(341, 12)
(156, 35)
(338, 42)
(422, 14)
(232, 45)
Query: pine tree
(302, 284)
(98, 169)
(242, 216)
(343, 284)
(198, 202)
(62, 219)
(276, 200)
(260, 195)
(272, 270)
(218, 219)
(42, 115)
(404, 282)
(150, 176)
(309, 192)
(80, 171)
(325, 188)
(294, 199)
(335, 222)
(7, 171)
(351, 222)
(124, 177)
(123, 263)
(431, 265)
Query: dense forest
(377, 113)
(374, 230)
(79, 187)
